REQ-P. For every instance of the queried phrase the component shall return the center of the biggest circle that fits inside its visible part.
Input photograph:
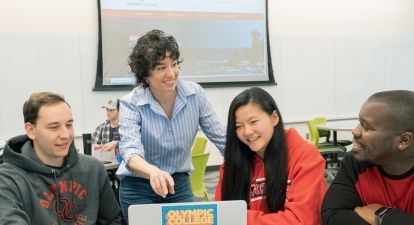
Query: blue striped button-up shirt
(146, 130)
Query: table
(113, 165)
(111, 169)
(335, 126)
(2, 144)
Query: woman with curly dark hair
(159, 120)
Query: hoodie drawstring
(71, 181)
(73, 213)
(56, 194)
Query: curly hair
(149, 50)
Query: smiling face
(374, 141)
(163, 78)
(52, 134)
(255, 127)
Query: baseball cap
(111, 104)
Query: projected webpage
(220, 41)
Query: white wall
(328, 57)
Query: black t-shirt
(113, 134)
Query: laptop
(189, 213)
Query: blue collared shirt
(146, 130)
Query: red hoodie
(305, 192)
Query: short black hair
(401, 106)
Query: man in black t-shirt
(375, 184)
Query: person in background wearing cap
(106, 136)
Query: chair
(199, 145)
(323, 133)
(197, 176)
(330, 152)
(314, 134)
(327, 133)
(87, 143)
(87, 150)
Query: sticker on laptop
(205, 214)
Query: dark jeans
(136, 190)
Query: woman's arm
(161, 182)
(132, 150)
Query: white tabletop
(112, 166)
(2, 144)
(341, 125)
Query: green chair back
(327, 134)
(313, 131)
(322, 133)
(199, 145)
(197, 176)
(315, 134)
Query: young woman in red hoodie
(279, 174)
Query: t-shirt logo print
(62, 200)
(63, 207)
(257, 189)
